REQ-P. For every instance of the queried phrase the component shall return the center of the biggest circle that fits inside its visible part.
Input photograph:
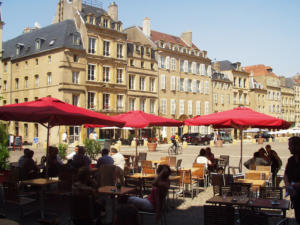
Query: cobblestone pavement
(189, 211)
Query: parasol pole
(241, 159)
(136, 147)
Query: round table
(8, 222)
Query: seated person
(28, 168)
(105, 159)
(54, 162)
(22, 158)
(80, 159)
(160, 187)
(201, 158)
(118, 158)
(126, 215)
(71, 155)
(256, 160)
(211, 157)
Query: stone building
(287, 99)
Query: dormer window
(76, 39)
(105, 23)
(137, 49)
(118, 27)
(19, 47)
(38, 43)
(91, 19)
(184, 50)
(161, 44)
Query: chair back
(148, 170)
(106, 175)
(241, 188)
(82, 208)
(178, 164)
(271, 192)
(250, 217)
(146, 164)
(172, 161)
(218, 215)
(254, 176)
(217, 179)
(263, 168)
(200, 172)
(225, 158)
(185, 177)
(142, 156)
(198, 165)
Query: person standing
(65, 137)
(292, 175)
(276, 162)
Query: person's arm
(277, 158)
(247, 163)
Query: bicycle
(173, 150)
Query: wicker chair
(271, 192)
(218, 215)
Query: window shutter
(190, 107)
(159, 61)
(173, 106)
(185, 66)
(163, 82)
(198, 108)
(194, 86)
(209, 71)
(178, 83)
(168, 62)
(185, 84)
(181, 105)
(173, 83)
(194, 67)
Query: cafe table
(256, 184)
(281, 204)
(42, 183)
(228, 200)
(113, 192)
(8, 222)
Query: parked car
(188, 137)
(264, 135)
(200, 139)
(224, 136)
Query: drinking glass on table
(224, 195)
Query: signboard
(17, 143)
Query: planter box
(4, 175)
(260, 140)
(152, 147)
(219, 143)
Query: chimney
(147, 27)
(113, 11)
(187, 37)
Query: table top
(40, 182)
(150, 176)
(8, 222)
(112, 190)
(228, 200)
(269, 203)
(253, 182)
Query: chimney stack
(113, 11)
(187, 37)
(147, 27)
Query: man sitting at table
(80, 159)
(201, 158)
(256, 160)
(105, 159)
(28, 168)
(118, 158)
(160, 187)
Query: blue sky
(249, 31)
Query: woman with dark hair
(54, 162)
(202, 159)
(160, 187)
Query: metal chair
(200, 174)
(217, 181)
(186, 180)
(218, 215)
(142, 156)
(271, 192)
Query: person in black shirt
(275, 161)
(292, 175)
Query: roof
(158, 36)
(226, 65)
(88, 9)
(259, 70)
(54, 36)
(289, 82)
(220, 77)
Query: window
(181, 66)
(206, 108)
(75, 100)
(240, 82)
(49, 59)
(25, 99)
(167, 62)
(49, 75)
(131, 62)
(152, 66)
(198, 86)
(201, 87)
(173, 106)
(163, 105)
(245, 99)
(173, 83)
(181, 85)
(222, 99)
(36, 61)
(91, 19)
(206, 87)
(142, 83)
(106, 102)
(189, 67)
(119, 76)
(105, 23)
(142, 64)
(118, 27)
(91, 100)
(131, 82)
(75, 58)
(216, 98)
(161, 62)
(245, 85)
(91, 72)
(152, 106)
(234, 82)
(38, 44)
(74, 134)
(26, 129)
(4, 102)
(119, 51)
(106, 76)
(36, 130)
(173, 64)
(76, 39)
(5, 67)
(152, 84)
(142, 104)
(17, 83)
(131, 104)
(105, 48)
(119, 102)
(92, 46)
(198, 108)
(75, 77)
(36, 79)
(181, 107)
(189, 85)
(190, 107)
(163, 82)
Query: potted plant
(152, 144)
(62, 150)
(93, 148)
(4, 153)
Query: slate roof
(259, 70)
(91, 10)
(226, 65)
(289, 82)
(54, 36)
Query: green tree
(93, 148)
(4, 153)
(62, 150)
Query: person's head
(113, 151)
(104, 151)
(52, 150)
(262, 152)
(81, 150)
(76, 148)
(268, 148)
(30, 154)
(126, 215)
(83, 174)
(294, 145)
(26, 151)
(256, 154)
(208, 150)
(164, 170)
(202, 152)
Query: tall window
(181, 107)
(142, 104)
(36, 130)
(106, 102)
(198, 108)
(106, 76)
(17, 83)
(173, 106)
(105, 23)
(119, 51)
(49, 80)
(131, 104)
(4, 85)
(75, 77)
(142, 83)
(92, 46)
(119, 76)
(189, 85)
(49, 59)
(173, 83)
(152, 84)
(91, 100)
(181, 85)
(152, 106)
(38, 44)
(190, 107)
(163, 81)
(206, 108)
(173, 64)
(119, 102)
(206, 87)
(36, 80)
(222, 99)
(216, 98)
(75, 100)
(163, 106)
(131, 82)
(105, 48)
(25, 129)
(91, 72)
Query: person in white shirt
(71, 155)
(201, 158)
(95, 136)
(64, 137)
(118, 158)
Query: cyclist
(175, 139)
